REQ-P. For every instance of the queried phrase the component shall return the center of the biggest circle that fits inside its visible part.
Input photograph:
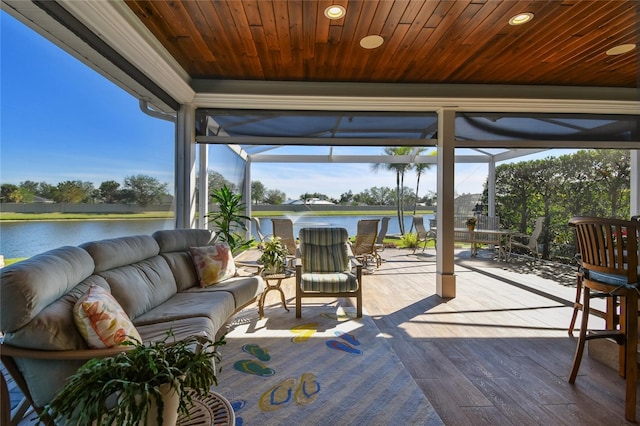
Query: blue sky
(60, 120)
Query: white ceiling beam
(355, 159)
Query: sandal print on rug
(350, 338)
(307, 390)
(237, 405)
(253, 367)
(261, 353)
(304, 332)
(279, 395)
(342, 346)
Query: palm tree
(420, 169)
(400, 169)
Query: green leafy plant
(132, 378)
(229, 218)
(410, 240)
(274, 255)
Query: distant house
(309, 201)
(37, 199)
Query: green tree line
(585, 183)
(139, 189)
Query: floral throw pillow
(101, 320)
(213, 263)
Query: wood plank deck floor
(497, 353)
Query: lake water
(25, 239)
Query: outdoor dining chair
(609, 254)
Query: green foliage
(257, 191)
(217, 181)
(274, 254)
(134, 377)
(410, 240)
(73, 191)
(229, 218)
(109, 191)
(586, 183)
(144, 189)
(274, 196)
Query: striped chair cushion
(324, 250)
(336, 282)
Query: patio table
(497, 237)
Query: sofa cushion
(141, 286)
(181, 329)
(33, 284)
(174, 247)
(243, 289)
(181, 265)
(101, 320)
(217, 306)
(181, 239)
(115, 252)
(213, 263)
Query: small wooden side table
(273, 282)
(213, 409)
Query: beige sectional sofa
(152, 277)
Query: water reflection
(25, 239)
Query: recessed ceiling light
(521, 18)
(334, 12)
(619, 50)
(371, 42)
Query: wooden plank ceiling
(455, 42)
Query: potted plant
(274, 255)
(471, 223)
(131, 388)
(228, 218)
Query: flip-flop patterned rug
(325, 368)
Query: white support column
(445, 277)
(491, 189)
(203, 185)
(635, 182)
(185, 168)
(247, 194)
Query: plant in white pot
(274, 255)
(127, 388)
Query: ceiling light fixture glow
(371, 42)
(334, 12)
(619, 50)
(521, 18)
